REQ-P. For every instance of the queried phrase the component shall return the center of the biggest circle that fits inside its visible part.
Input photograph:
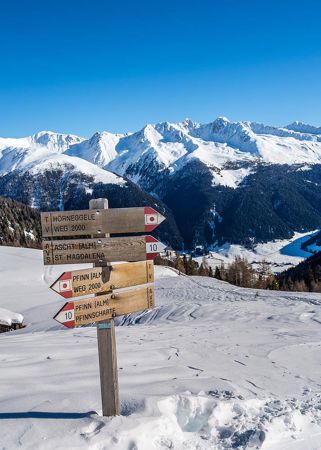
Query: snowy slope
(17, 153)
(45, 151)
(212, 367)
(56, 141)
(280, 254)
(70, 164)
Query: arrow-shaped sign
(100, 221)
(103, 279)
(77, 251)
(104, 307)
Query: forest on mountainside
(305, 277)
(19, 224)
(239, 272)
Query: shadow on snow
(46, 415)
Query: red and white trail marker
(153, 247)
(152, 218)
(66, 315)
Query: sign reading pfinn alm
(100, 221)
(104, 307)
(131, 248)
(103, 279)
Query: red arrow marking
(65, 276)
(149, 210)
(66, 315)
(152, 218)
(56, 286)
(153, 247)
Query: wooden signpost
(104, 307)
(73, 251)
(100, 221)
(104, 279)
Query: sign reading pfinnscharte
(86, 311)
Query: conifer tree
(217, 273)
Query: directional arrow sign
(104, 307)
(102, 279)
(76, 251)
(100, 221)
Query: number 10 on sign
(153, 247)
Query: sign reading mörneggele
(100, 221)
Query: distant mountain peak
(100, 149)
(303, 128)
(59, 141)
(188, 123)
(102, 137)
(222, 119)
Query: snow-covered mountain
(303, 128)
(20, 153)
(44, 172)
(194, 168)
(100, 149)
(166, 148)
(69, 165)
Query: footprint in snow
(239, 362)
(197, 369)
(92, 429)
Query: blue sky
(85, 66)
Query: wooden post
(107, 347)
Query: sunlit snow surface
(213, 366)
(280, 254)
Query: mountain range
(241, 182)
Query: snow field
(280, 254)
(213, 366)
